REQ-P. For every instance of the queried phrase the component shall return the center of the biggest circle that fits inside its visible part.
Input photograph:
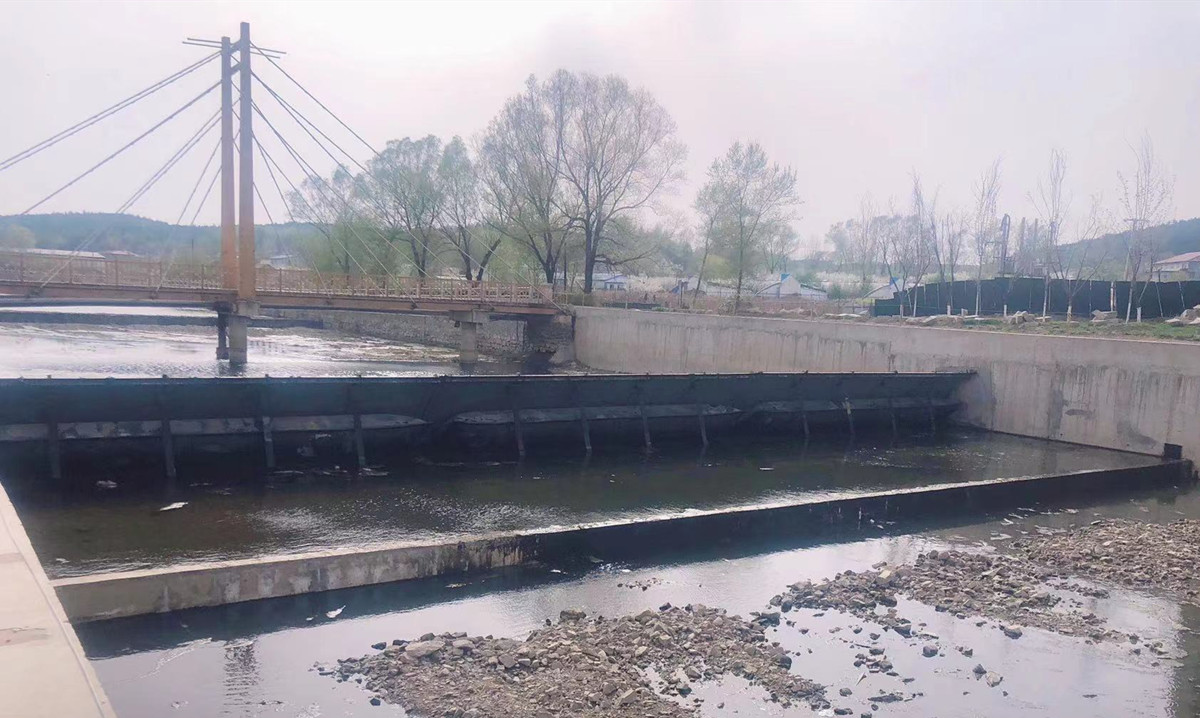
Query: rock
(842, 711)
(507, 660)
(379, 646)
(626, 697)
(572, 614)
(929, 650)
(979, 670)
(424, 648)
(845, 692)
(993, 679)
(1011, 631)
(375, 701)
(463, 644)
(767, 619)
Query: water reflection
(120, 529)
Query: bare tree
(912, 242)
(1146, 198)
(619, 153)
(987, 194)
(461, 221)
(781, 244)
(865, 239)
(329, 206)
(403, 190)
(711, 205)
(1078, 264)
(760, 198)
(1052, 204)
(521, 158)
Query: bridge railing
(305, 281)
(34, 269)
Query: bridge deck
(148, 281)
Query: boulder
(421, 649)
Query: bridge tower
(238, 266)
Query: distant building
(1180, 267)
(120, 254)
(281, 261)
(58, 253)
(611, 282)
(788, 287)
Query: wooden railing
(39, 269)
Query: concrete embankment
(1130, 395)
(113, 595)
(43, 671)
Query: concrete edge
(114, 595)
(43, 669)
(899, 326)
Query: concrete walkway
(43, 671)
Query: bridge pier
(232, 339)
(222, 335)
(237, 339)
(468, 340)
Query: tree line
(568, 174)
(922, 240)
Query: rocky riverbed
(1162, 557)
(643, 665)
(1011, 592)
(651, 663)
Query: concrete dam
(46, 422)
(208, 537)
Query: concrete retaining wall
(114, 595)
(1119, 394)
(43, 671)
(503, 338)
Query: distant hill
(147, 237)
(1170, 239)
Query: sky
(855, 96)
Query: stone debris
(1189, 316)
(583, 666)
(1018, 318)
(1128, 553)
(1008, 590)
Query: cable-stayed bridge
(238, 286)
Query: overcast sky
(854, 96)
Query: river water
(109, 529)
(257, 659)
(97, 350)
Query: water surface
(109, 529)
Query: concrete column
(468, 338)
(239, 320)
(222, 335)
(236, 353)
(468, 343)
